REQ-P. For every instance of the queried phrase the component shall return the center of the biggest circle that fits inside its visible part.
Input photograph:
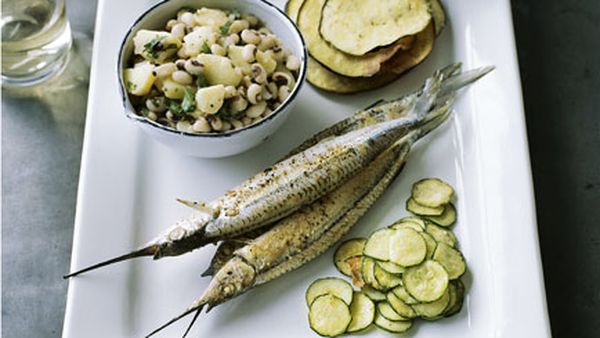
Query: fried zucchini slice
(355, 264)
(368, 273)
(329, 316)
(385, 279)
(340, 62)
(357, 27)
(433, 309)
(437, 15)
(441, 235)
(378, 244)
(405, 60)
(362, 310)
(418, 209)
(392, 326)
(430, 243)
(403, 295)
(329, 286)
(432, 192)
(375, 295)
(426, 282)
(350, 248)
(391, 267)
(386, 310)
(406, 247)
(451, 259)
(400, 306)
(447, 218)
(456, 303)
(411, 225)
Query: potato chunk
(219, 70)
(196, 41)
(155, 46)
(139, 79)
(210, 99)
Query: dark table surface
(559, 53)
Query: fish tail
(196, 308)
(457, 81)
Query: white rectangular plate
(129, 184)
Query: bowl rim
(137, 118)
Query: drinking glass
(36, 39)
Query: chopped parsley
(145, 112)
(131, 85)
(171, 46)
(205, 48)
(227, 114)
(174, 107)
(189, 102)
(153, 47)
(225, 28)
(236, 13)
(201, 81)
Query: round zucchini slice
(430, 243)
(447, 218)
(350, 248)
(308, 20)
(385, 279)
(403, 295)
(329, 316)
(368, 274)
(330, 286)
(378, 244)
(455, 304)
(426, 282)
(355, 264)
(433, 309)
(432, 192)
(407, 247)
(357, 27)
(386, 310)
(441, 235)
(391, 267)
(418, 209)
(375, 295)
(413, 219)
(410, 225)
(399, 306)
(451, 259)
(392, 326)
(362, 311)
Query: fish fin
(146, 251)
(199, 206)
(197, 308)
(460, 80)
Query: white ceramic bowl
(230, 142)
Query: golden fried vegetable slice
(357, 27)
(325, 79)
(340, 62)
(438, 16)
(405, 60)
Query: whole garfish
(299, 179)
(311, 230)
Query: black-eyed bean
(267, 42)
(181, 53)
(256, 110)
(254, 93)
(252, 20)
(182, 77)
(239, 104)
(246, 120)
(283, 78)
(201, 125)
(238, 26)
(226, 126)
(169, 115)
(156, 104)
(272, 86)
(217, 49)
(231, 40)
(230, 92)
(170, 24)
(188, 19)
(265, 93)
(264, 30)
(258, 73)
(292, 63)
(178, 30)
(246, 81)
(194, 67)
(216, 123)
(183, 126)
(248, 52)
(236, 124)
(180, 63)
(165, 70)
(152, 116)
(249, 36)
(284, 92)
